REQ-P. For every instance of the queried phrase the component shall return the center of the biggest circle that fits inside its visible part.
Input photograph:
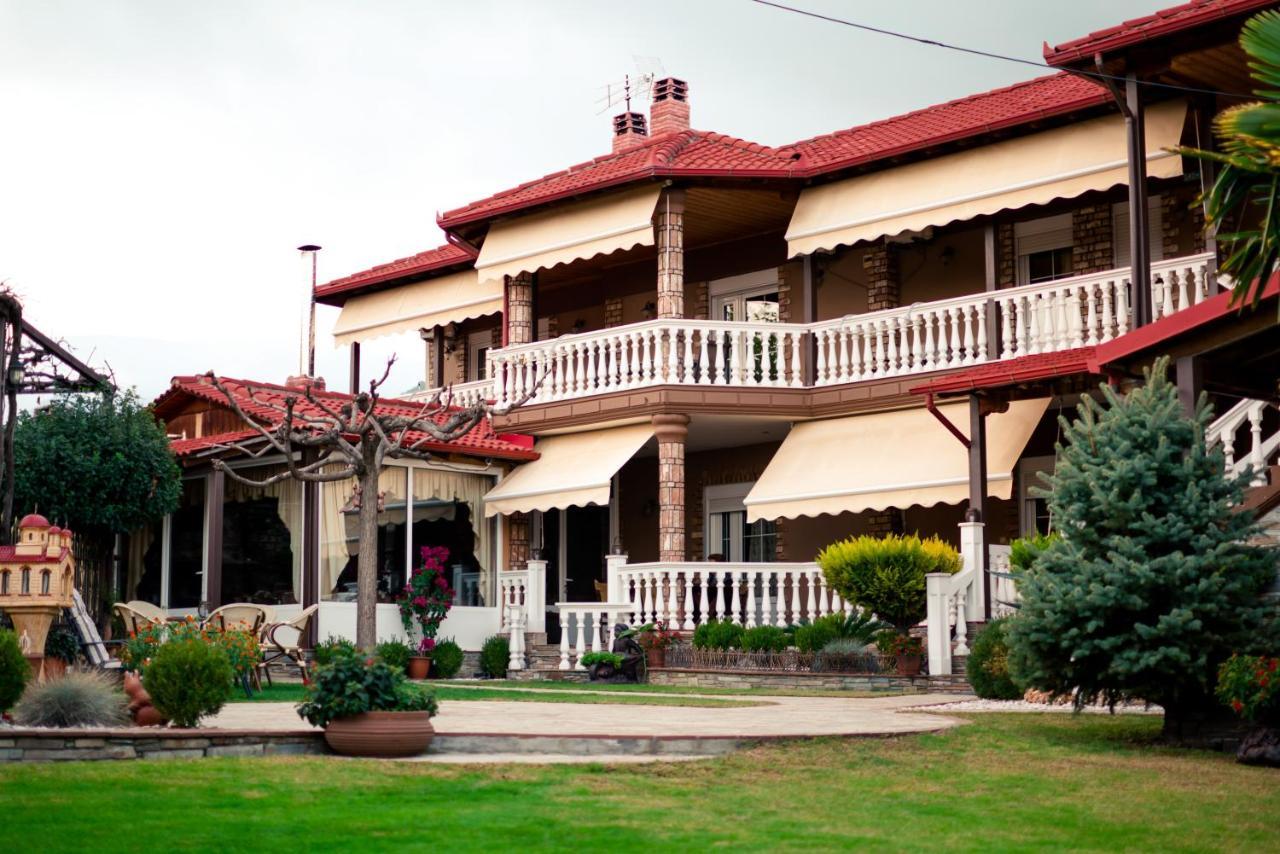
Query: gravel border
(1023, 706)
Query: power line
(990, 55)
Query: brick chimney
(302, 383)
(628, 131)
(670, 108)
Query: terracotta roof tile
(1008, 372)
(1156, 25)
(257, 400)
(7, 555)
(442, 257)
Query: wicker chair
(240, 616)
(138, 615)
(275, 648)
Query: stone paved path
(777, 717)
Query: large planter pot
(908, 665)
(656, 656)
(419, 667)
(380, 734)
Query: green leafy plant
(811, 637)
(987, 667)
(427, 597)
(241, 648)
(330, 648)
(62, 645)
(188, 679)
(1250, 685)
(858, 626)
(764, 639)
(352, 684)
(885, 575)
(718, 634)
(1154, 582)
(395, 653)
(1024, 550)
(1248, 182)
(495, 655)
(611, 658)
(78, 699)
(446, 659)
(14, 670)
(655, 635)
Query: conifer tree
(1153, 583)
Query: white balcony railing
(922, 337)
(1250, 441)
(459, 394)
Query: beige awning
(421, 305)
(578, 230)
(1055, 164)
(887, 459)
(572, 471)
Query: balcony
(915, 339)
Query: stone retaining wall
(955, 684)
(40, 745)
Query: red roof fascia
(1166, 22)
(442, 257)
(256, 399)
(7, 555)
(1010, 372)
(1165, 329)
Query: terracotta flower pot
(419, 667)
(656, 656)
(909, 665)
(380, 734)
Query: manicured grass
(1005, 782)
(292, 693)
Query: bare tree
(347, 439)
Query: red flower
(1236, 705)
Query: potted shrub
(654, 638)
(905, 649)
(424, 602)
(60, 651)
(396, 653)
(368, 709)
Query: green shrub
(495, 655)
(330, 648)
(611, 658)
(395, 653)
(189, 679)
(885, 575)
(1024, 550)
(62, 645)
(764, 639)
(988, 665)
(446, 659)
(14, 670)
(847, 654)
(812, 637)
(83, 699)
(716, 634)
(351, 685)
(1250, 685)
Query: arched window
(4, 583)
(66, 583)
(26, 580)
(45, 578)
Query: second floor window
(1043, 247)
(752, 298)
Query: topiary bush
(885, 575)
(716, 634)
(446, 659)
(987, 667)
(78, 699)
(395, 653)
(14, 670)
(189, 679)
(495, 655)
(764, 639)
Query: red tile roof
(187, 447)
(1156, 25)
(257, 399)
(33, 520)
(1009, 372)
(440, 258)
(7, 555)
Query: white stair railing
(1248, 440)
(524, 588)
(1004, 592)
(459, 394)
(588, 627)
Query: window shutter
(1120, 230)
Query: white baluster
(1062, 340)
(749, 616)
(1166, 296)
(1122, 308)
(766, 600)
(1255, 450)
(820, 365)
(1091, 314)
(962, 625)
(564, 640)
(1184, 298)
(687, 372)
(704, 360)
(734, 599)
(688, 601)
(820, 599)
(673, 603)
(1074, 330)
(1008, 344)
(797, 367)
(584, 626)
(1033, 324)
(980, 319)
(702, 595)
(794, 579)
(954, 356)
(930, 344)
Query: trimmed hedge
(446, 660)
(715, 634)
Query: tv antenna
(639, 85)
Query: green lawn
(1005, 782)
(292, 693)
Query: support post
(518, 319)
(1139, 233)
(977, 514)
(669, 231)
(1190, 371)
(354, 370)
(213, 547)
(939, 631)
(535, 598)
(992, 271)
(973, 553)
(671, 431)
(310, 552)
(1203, 117)
(614, 564)
(437, 357)
(809, 314)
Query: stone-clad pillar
(669, 231)
(519, 308)
(884, 289)
(517, 541)
(671, 431)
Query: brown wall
(929, 272)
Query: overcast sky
(160, 160)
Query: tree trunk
(367, 563)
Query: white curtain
(139, 542)
(288, 496)
(335, 551)
(435, 485)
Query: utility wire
(989, 55)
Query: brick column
(669, 229)
(517, 541)
(1006, 257)
(612, 311)
(671, 431)
(1092, 248)
(884, 289)
(519, 309)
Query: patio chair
(138, 616)
(96, 651)
(274, 647)
(240, 616)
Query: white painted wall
(468, 627)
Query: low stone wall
(44, 745)
(955, 684)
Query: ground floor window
(262, 539)
(142, 550)
(187, 547)
(729, 536)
